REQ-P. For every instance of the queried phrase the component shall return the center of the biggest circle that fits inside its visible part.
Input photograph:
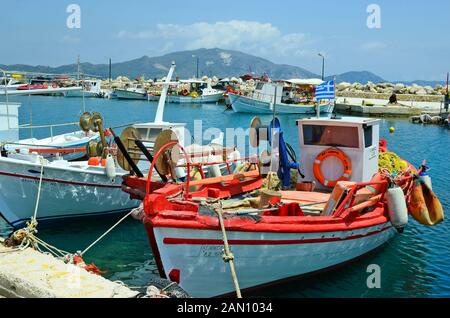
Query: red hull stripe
(60, 181)
(176, 241)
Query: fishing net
(391, 162)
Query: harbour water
(415, 264)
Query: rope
(39, 189)
(104, 234)
(228, 257)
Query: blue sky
(412, 43)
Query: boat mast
(78, 67)
(162, 100)
(110, 70)
(6, 98)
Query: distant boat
(91, 88)
(26, 87)
(296, 98)
(131, 91)
(9, 84)
(196, 92)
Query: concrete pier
(32, 274)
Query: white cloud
(371, 46)
(250, 36)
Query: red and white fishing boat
(277, 236)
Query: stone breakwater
(385, 90)
(385, 96)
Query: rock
(343, 86)
(429, 89)
(421, 91)
(399, 87)
(413, 89)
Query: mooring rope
(228, 257)
(104, 234)
(36, 207)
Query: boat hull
(208, 99)
(243, 104)
(260, 258)
(66, 192)
(124, 94)
(80, 94)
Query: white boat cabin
(357, 138)
(295, 91)
(9, 122)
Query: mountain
(359, 77)
(218, 62)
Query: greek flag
(325, 91)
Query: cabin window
(259, 86)
(368, 136)
(331, 136)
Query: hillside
(218, 62)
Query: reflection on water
(414, 264)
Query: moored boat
(91, 89)
(132, 91)
(359, 205)
(68, 189)
(296, 97)
(195, 92)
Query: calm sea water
(415, 264)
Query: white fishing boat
(295, 98)
(68, 190)
(70, 145)
(195, 92)
(131, 91)
(91, 89)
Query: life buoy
(185, 92)
(332, 152)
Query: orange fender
(424, 205)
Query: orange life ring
(185, 92)
(332, 152)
